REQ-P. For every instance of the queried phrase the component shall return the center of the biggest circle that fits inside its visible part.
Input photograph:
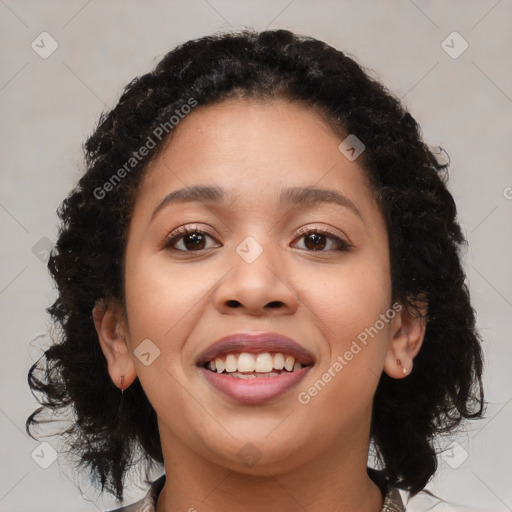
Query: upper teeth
(259, 363)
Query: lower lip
(254, 391)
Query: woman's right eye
(191, 240)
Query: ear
(112, 331)
(407, 334)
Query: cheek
(162, 297)
(354, 312)
(163, 306)
(352, 298)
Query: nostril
(270, 305)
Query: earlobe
(114, 341)
(407, 335)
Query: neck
(327, 483)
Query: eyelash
(177, 235)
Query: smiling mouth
(245, 365)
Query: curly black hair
(425, 242)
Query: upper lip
(256, 343)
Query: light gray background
(50, 105)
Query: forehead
(257, 145)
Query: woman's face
(252, 267)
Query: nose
(257, 287)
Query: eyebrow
(296, 196)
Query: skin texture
(314, 455)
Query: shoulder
(146, 504)
(398, 500)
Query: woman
(259, 281)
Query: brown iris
(315, 238)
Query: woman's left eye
(317, 240)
